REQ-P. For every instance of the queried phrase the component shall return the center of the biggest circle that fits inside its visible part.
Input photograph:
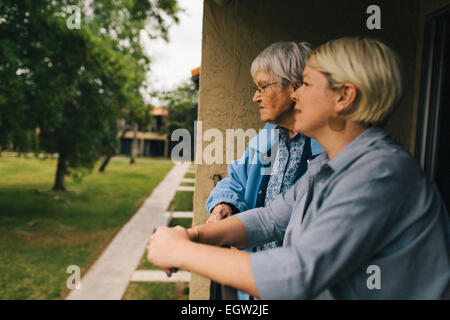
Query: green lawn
(157, 291)
(187, 184)
(43, 232)
(182, 201)
(184, 222)
(189, 175)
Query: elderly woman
(364, 221)
(277, 72)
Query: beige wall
(235, 32)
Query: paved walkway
(108, 278)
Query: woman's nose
(297, 93)
(256, 96)
(294, 95)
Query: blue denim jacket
(245, 186)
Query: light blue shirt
(368, 216)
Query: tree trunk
(105, 162)
(60, 183)
(134, 145)
(111, 153)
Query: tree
(140, 121)
(74, 84)
(110, 146)
(182, 103)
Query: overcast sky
(172, 62)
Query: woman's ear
(346, 96)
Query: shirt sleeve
(346, 230)
(267, 224)
(232, 188)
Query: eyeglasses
(262, 89)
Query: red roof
(159, 111)
(195, 71)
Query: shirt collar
(355, 148)
(284, 134)
(265, 140)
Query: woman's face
(275, 104)
(315, 103)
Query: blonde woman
(363, 206)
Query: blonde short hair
(371, 66)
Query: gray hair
(284, 61)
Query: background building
(151, 142)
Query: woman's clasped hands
(166, 245)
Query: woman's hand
(165, 247)
(221, 211)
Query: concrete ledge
(182, 214)
(160, 276)
(183, 188)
